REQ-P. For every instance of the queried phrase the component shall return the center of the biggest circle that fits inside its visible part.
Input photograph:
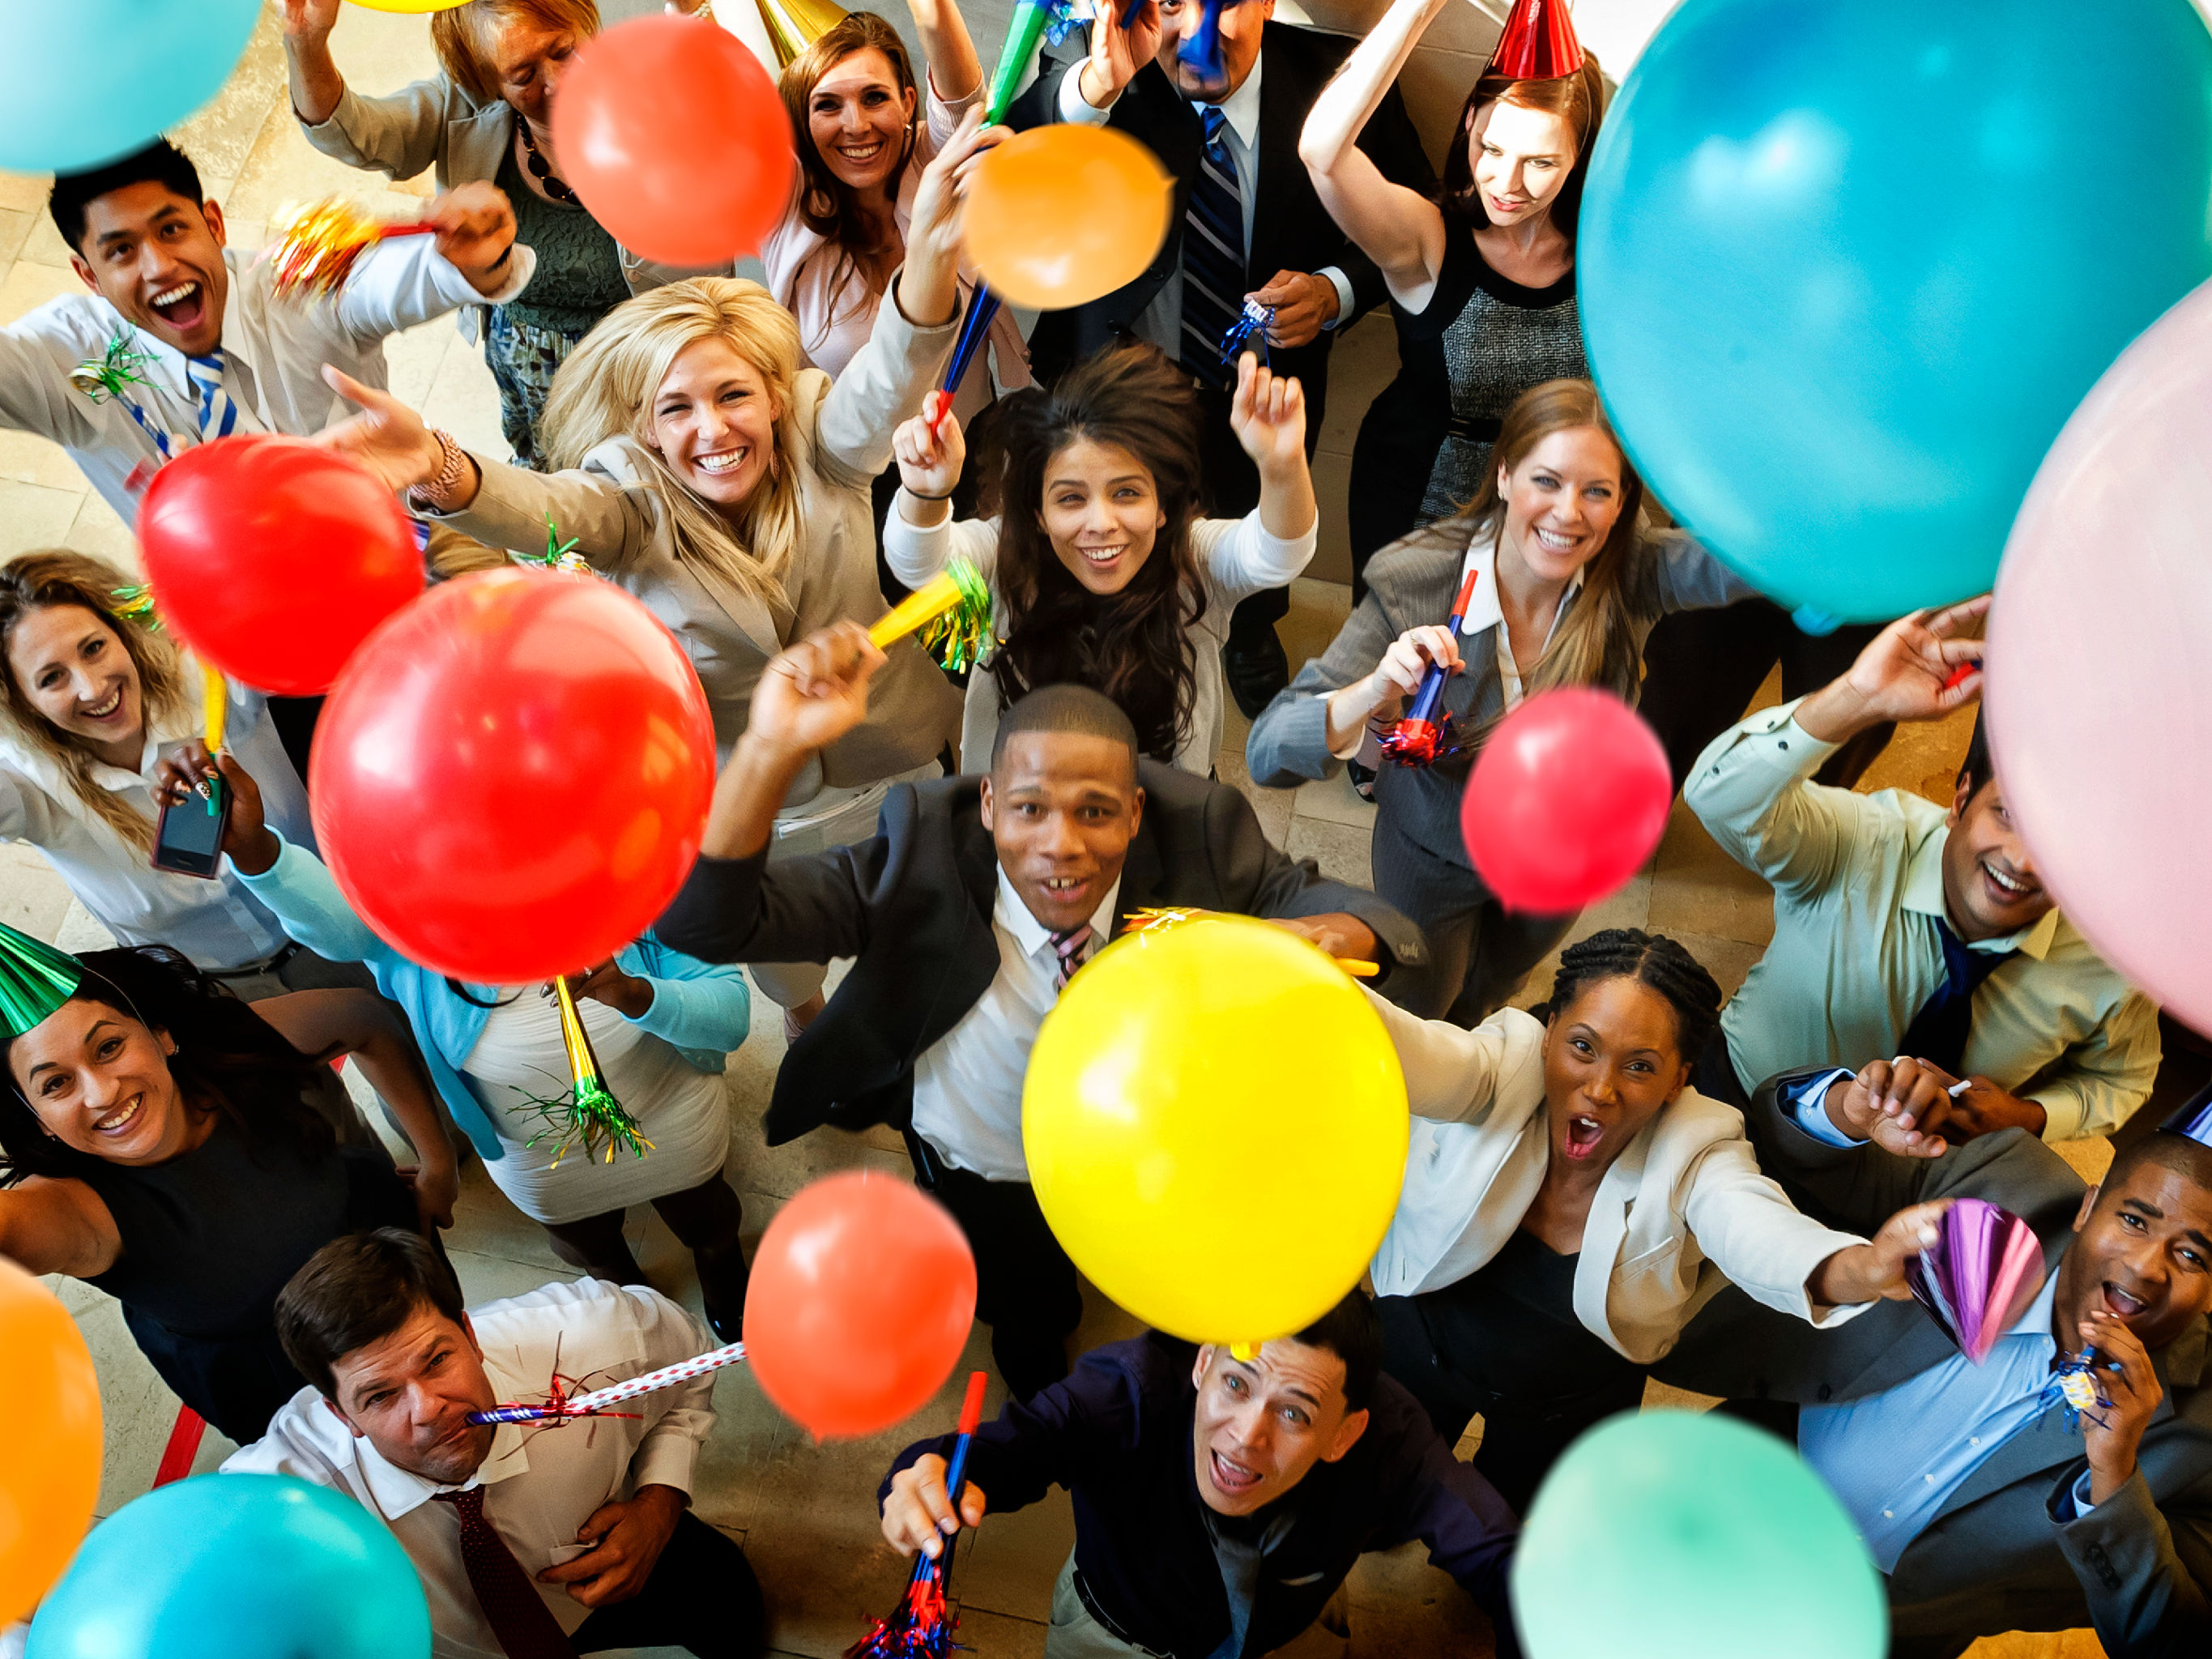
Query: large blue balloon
(1847, 266)
(236, 1566)
(82, 81)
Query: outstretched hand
(1268, 413)
(386, 437)
(930, 462)
(814, 692)
(1905, 673)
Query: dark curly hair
(1135, 646)
(229, 1059)
(1651, 959)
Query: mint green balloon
(1671, 1535)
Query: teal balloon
(1670, 1535)
(236, 1566)
(82, 81)
(1846, 266)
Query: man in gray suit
(1984, 1507)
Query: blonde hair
(606, 388)
(43, 581)
(463, 36)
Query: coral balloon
(83, 82)
(49, 1401)
(1842, 386)
(1567, 800)
(274, 558)
(1197, 1085)
(511, 778)
(675, 137)
(862, 1295)
(1672, 1536)
(237, 1567)
(1060, 216)
(2099, 715)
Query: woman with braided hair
(1569, 1203)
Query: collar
(1924, 893)
(2035, 1318)
(1483, 611)
(1032, 935)
(1241, 108)
(398, 1491)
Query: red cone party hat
(1539, 43)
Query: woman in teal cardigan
(661, 1024)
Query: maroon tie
(517, 1614)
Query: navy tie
(1213, 255)
(1938, 1031)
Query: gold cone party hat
(795, 25)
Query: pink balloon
(2099, 711)
(1567, 801)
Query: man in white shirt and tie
(532, 1542)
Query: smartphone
(188, 839)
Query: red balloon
(1567, 801)
(511, 778)
(274, 558)
(861, 1299)
(675, 138)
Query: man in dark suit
(1246, 223)
(966, 914)
(1985, 1508)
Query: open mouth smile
(1231, 1477)
(182, 306)
(1584, 1133)
(100, 711)
(725, 461)
(2121, 1305)
(115, 1122)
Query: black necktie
(1938, 1031)
(1213, 255)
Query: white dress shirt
(968, 1084)
(1161, 322)
(274, 350)
(540, 1484)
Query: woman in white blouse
(1101, 570)
(1569, 1203)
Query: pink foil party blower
(1979, 1277)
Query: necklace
(539, 171)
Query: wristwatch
(433, 497)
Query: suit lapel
(1276, 167)
(1140, 876)
(974, 959)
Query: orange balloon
(50, 1406)
(1061, 216)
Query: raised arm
(57, 1227)
(955, 71)
(1401, 230)
(1268, 413)
(317, 86)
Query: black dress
(209, 1238)
(1504, 1342)
(1480, 341)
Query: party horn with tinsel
(974, 329)
(920, 1627)
(559, 555)
(589, 1112)
(1978, 1277)
(121, 366)
(1419, 739)
(951, 612)
(561, 1407)
(1160, 918)
(317, 245)
(136, 602)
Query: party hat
(2194, 1120)
(1979, 1277)
(35, 979)
(795, 25)
(1538, 43)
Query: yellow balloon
(1063, 215)
(1216, 1128)
(50, 1408)
(410, 5)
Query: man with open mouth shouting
(1903, 930)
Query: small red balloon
(511, 778)
(676, 139)
(862, 1296)
(274, 558)
(1567, 800)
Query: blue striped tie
(218, 416)
(1213, 255)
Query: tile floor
(806, 1514)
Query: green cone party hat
(35, 979)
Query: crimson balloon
(511, 778)
(274, 558)
(862, 1296)
(675, 137)
(1567, 800)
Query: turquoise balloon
(82, 81)
(236, 1566)
(1670, 1535)
(1846, 266)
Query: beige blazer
(837, 437)
(1683, 1211)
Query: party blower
(919, 1627)
(317, 245)
(951, 612)
(1420, 738)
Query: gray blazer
(1414, 581)
(2138, 1566)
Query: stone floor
(804, 1513)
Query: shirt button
(1973, 1440)
(1889, 1514)
(1929, 1479)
